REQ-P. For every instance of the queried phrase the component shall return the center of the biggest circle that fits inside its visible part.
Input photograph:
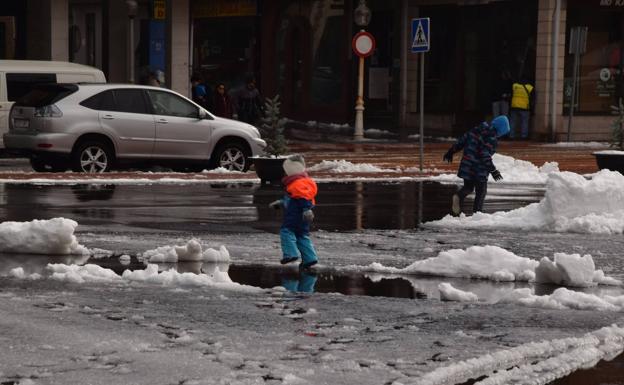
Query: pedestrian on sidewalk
(478, 145)
(522, 101)
(222, 103)
(297, 202)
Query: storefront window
(225, 45)
(600, 81)
(309, 41)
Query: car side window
(104, 101)
(165, 103)
(130, 100)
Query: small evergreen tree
(272, 128)
(617, 137)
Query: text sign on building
(420, 35)
(160, 9)
(225, 8)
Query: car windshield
(45, 95)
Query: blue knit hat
(501, 124)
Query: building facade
(301, 50)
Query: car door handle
(109, 117)
(162, 121)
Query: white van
(18, 76)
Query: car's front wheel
(92, 156)
(232, 156)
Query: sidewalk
(400, 158)
(406, 155)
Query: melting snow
(192, 251)
(52, 236)
(571, 204)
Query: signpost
(363, 44)
(420, 44)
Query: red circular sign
(363, 44)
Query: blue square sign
(420, 35)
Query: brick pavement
(383, 154)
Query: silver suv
(93, 127)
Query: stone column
(177, 46)
(541, 129)
(48, 28)
(59, 30)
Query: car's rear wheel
(39, 165)
(92, 156)
(232, 156)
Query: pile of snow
(97, 274)
(563, 298)
(513, 171)
(533, 362)
(192, 251)
(497, 264)
(449, 293)
(577, 144)
(19, 273)
(571, 204)
(221, 170)
(52, 236)
(343, 166)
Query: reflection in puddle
(340, 206)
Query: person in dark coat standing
(248, 103)
(478, 145)
(222, 105)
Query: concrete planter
(269, 170)
(610, 160)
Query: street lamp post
(361, 17)
(132, 12)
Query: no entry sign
(363, 44)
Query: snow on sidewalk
(533, 362)
(497, 264)
(571, 204)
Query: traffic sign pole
(420, 44)
(363, 44)
(422, 110)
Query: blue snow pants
(294, 245)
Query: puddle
(222, 207)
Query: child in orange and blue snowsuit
(297, 204)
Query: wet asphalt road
(242, 207)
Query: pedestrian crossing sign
(420, 35)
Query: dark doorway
(470, 46)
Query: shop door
(381, 94)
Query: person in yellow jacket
(521, 106)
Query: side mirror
(203, 114)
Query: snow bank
(482, 262)
(571, 204)
(497, 264)
(192, 251)
(52, 236)
(513, 171)
(94, 273)
(571, 270)
(343, 166)
(449, 293)
(563, 298)
(577, 144)
(533, 362)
